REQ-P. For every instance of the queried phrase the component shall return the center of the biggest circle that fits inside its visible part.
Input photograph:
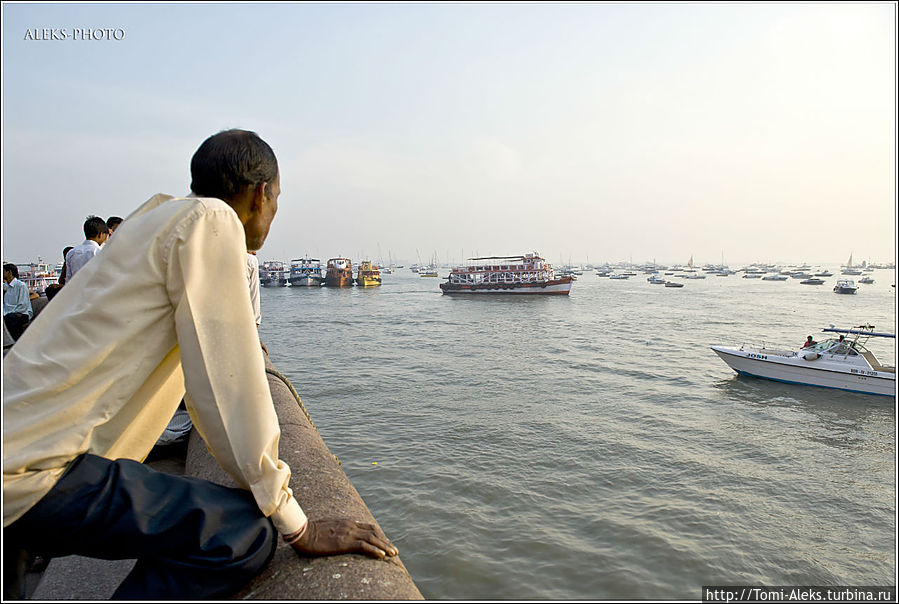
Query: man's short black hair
(11, 268)
(94, 226)
(229, 161)
(113, 221)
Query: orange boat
(339, 273)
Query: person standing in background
(112, 223)
(95, 234)
(62, 274)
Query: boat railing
(780, 353)
(763, 349)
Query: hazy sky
(756, 132)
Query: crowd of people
(18, 310)
(157, 317)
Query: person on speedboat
(809, 342)
(842, 346)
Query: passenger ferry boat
(37, 275)
(427, 271)
(272, 273)
(843, 364)
(368, 274)
(306, 272)
(527, 274)
(339, 273)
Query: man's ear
(259, 192)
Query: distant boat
(673, 284)
(774, 278)
(845, 286)
(812, 281)
(272, 273)
(866, 280)
(824, 273)
(850, 269)
(37, 275)
(655, 279)
(368, 274)
(525, 274)
(306, 272)
(339, 273)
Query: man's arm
(228, 392)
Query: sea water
(592, 446)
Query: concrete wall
(323, 490)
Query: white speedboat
(845, 286)
(843, 364)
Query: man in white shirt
(96, 233)
(17, 311)
(170, 296)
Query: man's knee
(16, 324)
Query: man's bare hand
(342, 536)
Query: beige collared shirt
(165, 308)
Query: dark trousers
(192, 539)
(16, 322)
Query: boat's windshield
(834, 346)
(821, 346)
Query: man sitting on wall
(169, 295)
(17, 311)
